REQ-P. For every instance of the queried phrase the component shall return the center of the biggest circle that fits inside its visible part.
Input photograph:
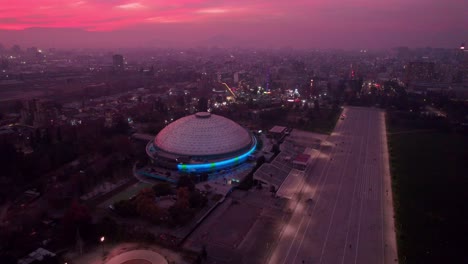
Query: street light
(102, 243)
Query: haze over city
(320, 24)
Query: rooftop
(203, 134)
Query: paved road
(344, 211)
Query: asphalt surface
(343, 212)
(138, 256)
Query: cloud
(277, 18)
(163, 20)
(78, 3)
(212, 11)
(131, 6)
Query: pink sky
(263, 23)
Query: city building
(118, 62)
(278, 132)
(420, 71)
(202, 142)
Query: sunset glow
(439, 19)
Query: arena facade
(202, 142)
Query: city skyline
(264, 24)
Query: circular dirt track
(138, 257)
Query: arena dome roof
(203, 134)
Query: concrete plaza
(343, 212)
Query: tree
(121, 126)
(9, 160)
(180, 100)
(197, 199)
(121, 144)
(180, 212)
(162, 189)
(185, 181)
(316, 107)
(202, 104)
(204, 253)
(108, 227)
(7, 258)
(59, 134)
(146, 205)
(125, 208)
(183, 195)
(76, 218)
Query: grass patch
(430, 180)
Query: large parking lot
(241, 229)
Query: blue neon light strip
(217, 165)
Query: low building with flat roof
(278, 132)
(301, 161)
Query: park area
(132, 190)
(429, 173)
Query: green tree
(162, 189)
(146, 205)
(77, 217)
(185, 181)
(202, 104)
(197, 199)
(125, 208)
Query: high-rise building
(236, 77)
(118, 62)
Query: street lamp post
(102, 243)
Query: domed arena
(201, 142)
